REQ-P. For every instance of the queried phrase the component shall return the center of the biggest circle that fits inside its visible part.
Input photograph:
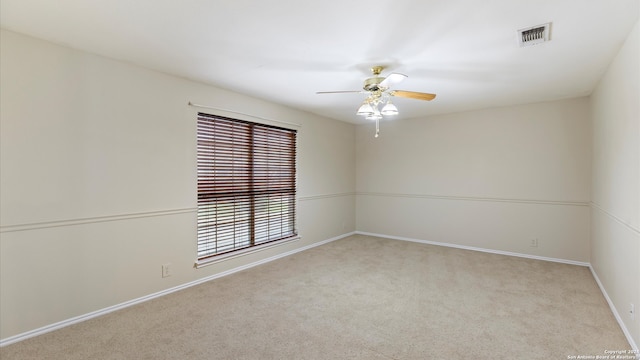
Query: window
(246, 184)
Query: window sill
(243, 252)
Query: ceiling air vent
(533, 35)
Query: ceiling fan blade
(392, 79)
(412, 95)
(339, 92)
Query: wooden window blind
(246, 184)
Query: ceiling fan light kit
(378, 89)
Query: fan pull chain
(377, 127)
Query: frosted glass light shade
(389, 109)
(365, 109)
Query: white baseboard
(626, 332)
(94, 314)
(464, 247)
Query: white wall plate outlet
(166, 270)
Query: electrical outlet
(166, 270)
(533, 242)
(632, 311)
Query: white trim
(91, 220)
(240, 253)
(626, 332)
(126, 304)
(616, 219)
(325, 196)
(464, 247)
(471, 198)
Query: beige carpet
(358, 298)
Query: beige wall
(490, 179)
(615, 210)
(98, 181)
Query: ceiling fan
(379, 92)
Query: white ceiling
(284, 51)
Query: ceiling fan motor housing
(372, 84)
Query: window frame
(283, 191)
